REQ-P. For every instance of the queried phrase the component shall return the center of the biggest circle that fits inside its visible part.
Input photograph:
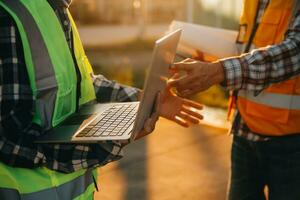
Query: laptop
(119, 121)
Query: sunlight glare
(209, 4)
(136, 4)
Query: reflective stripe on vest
(69, 190)
(281, 101)
(46, 84)
(276, 110)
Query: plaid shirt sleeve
(111, 91)
(17, 132)
(257, 70)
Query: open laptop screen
(163, 56)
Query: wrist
(218, 72)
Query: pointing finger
(188, 60)
(182, 66)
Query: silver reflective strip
(44, 71)
(283, 101)
(67, 191)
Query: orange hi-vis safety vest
(276, 110)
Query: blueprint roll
(217, 42)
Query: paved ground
(172, 163)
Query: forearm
(262, 67)
(82, 155)
(111, 91)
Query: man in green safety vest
(44, 77)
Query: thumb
(149, 125)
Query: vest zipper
(78, 75)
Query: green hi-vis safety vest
(45, 184)
(53, 79)
(49, 62)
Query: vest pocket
(267, 30)
(280, 115)
(65, 105)
(286, 87)
(85, 68)
(267, 113)
(297, 86)
(87, 87)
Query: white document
(216, 42)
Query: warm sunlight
(118, 36)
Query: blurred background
(172, 163)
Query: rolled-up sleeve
(111, 91)
(262, 67)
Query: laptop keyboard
(115, 121)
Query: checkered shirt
(17, 131)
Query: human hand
(170, 106)
(204, 57)
(199, 76)
(182, 111)
(150, 123)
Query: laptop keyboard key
(115, 121)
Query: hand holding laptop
(150, 123)
(168, 105)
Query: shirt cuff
(233, 75)
(111, 91)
